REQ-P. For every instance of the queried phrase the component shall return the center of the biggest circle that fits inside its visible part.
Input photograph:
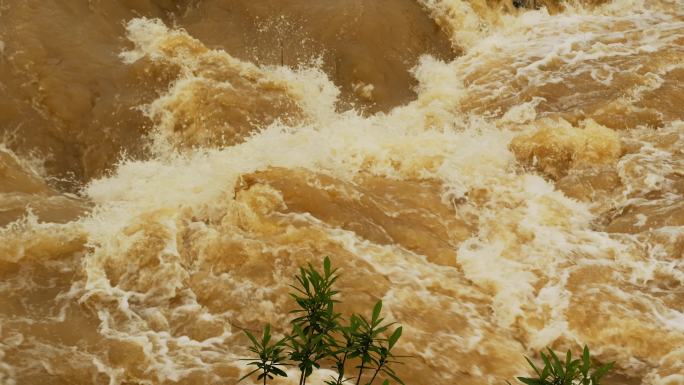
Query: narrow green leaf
(327, 266)
(600, 372)
(557, 364)
(278, 372)
(376, 311)
(266, 336)
(252, 338)
(539, 373)
(545, 372)
(585, 360)
(394, 337)
(530, 381)
(393, 376)
(248, 374)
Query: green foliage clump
(269, 356)
(319, 334)
(580, 371)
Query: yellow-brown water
(504, 180)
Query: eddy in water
(504, 177)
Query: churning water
(503, 179)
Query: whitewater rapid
(528, 196)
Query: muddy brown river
(505, 179)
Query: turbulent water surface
(503, 179)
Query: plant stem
(375, 374)
(358, 379)
(341, 369)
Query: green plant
(387, 357)
(270, 356)
(580, 371)
(316, 317)
(362, 340)
(340, 350)
(368, 345)
(319, 334)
